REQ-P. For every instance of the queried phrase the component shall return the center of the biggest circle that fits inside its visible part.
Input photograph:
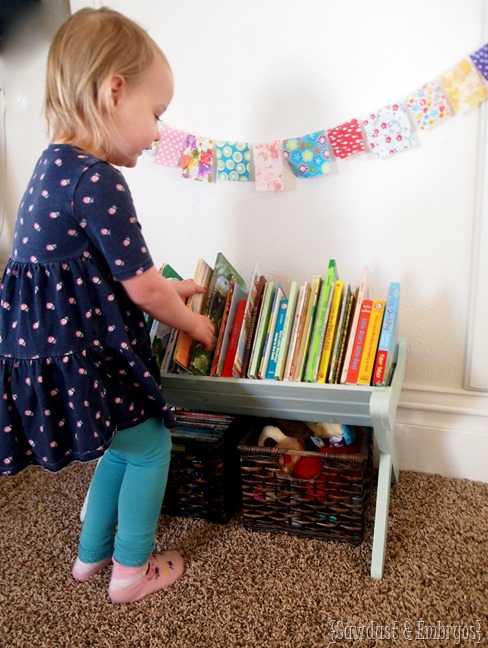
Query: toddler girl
(77, 373)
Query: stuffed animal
(271, 433)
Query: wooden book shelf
(356, 405)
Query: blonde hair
(90, 47)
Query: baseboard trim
(443, 432)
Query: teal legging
(126, 494)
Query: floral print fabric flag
(197, 158)
(480, 59)
(233, 161)
(429, 105)
(170, 147)
(308, 156)
(268, 166)
(463, 85)
(388, 131)
(346, 139)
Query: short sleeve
(103, 206)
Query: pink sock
(82, 571)
(129, 584)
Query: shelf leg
(381, 516)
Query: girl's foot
(82, 571)
(129, 584)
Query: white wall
(257, 71)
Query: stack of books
(321, 331)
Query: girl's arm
(165, 301)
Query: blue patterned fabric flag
(388, 131)
(233, 160)
(308, 155)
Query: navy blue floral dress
(75, 358)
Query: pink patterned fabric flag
(170, 147)
(308, 155)
(480, 59)
(346, 139)
(388, 131)
(268, 166)
(463, 85)
(197, 159)
(429, 105)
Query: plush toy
(271, 435)
(338, 434)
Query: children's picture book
(237, 369)
(224, 273)
(167, 363)
(320, 323)
(330, 331)
(307, 328)
(298, 323)
(224, 333)
(184, 342)
(277, 339)
(227, 370)
(333, 373)
(359, 340)
(252, 325)
(261, 329)
(388, 338)
(268, 340)
(362, 293)
(287, 327)
(168, 272)
(160, 333)
(371, 342)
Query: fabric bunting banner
(382, 132)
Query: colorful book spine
(307, 329)
(298, 323)
(234, 339)
(241, 343)
(268, 340)
(252, 325)
(320, 323)
(371, 342)
(359, 340)
(167, 363)
(342, 336)
(287, 328)
(262, 327)
(330, 332)
(388, 338)
(217, 364)
(277, 339)
(362, 293)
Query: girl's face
(134, 112)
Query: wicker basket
(329, 506)
(203, 480)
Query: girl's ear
(117, 87)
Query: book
(237, 369)
(167, 362)
(362, 293)
(222, 277)
(261, 328)
(277, 339)
(287, 327)
(359, 339)
(268, 339)
(342, 335)
(330, 331)
(298, 321)
(385, 354)
(237, 294)
(252, 325)
(307, 328)
(217, 364)
(168, 272)
(227, 370)
(320, 323)
(184, 342)
(371, 342)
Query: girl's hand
(203, 330)
(188, 288)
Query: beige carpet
(245, 588)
